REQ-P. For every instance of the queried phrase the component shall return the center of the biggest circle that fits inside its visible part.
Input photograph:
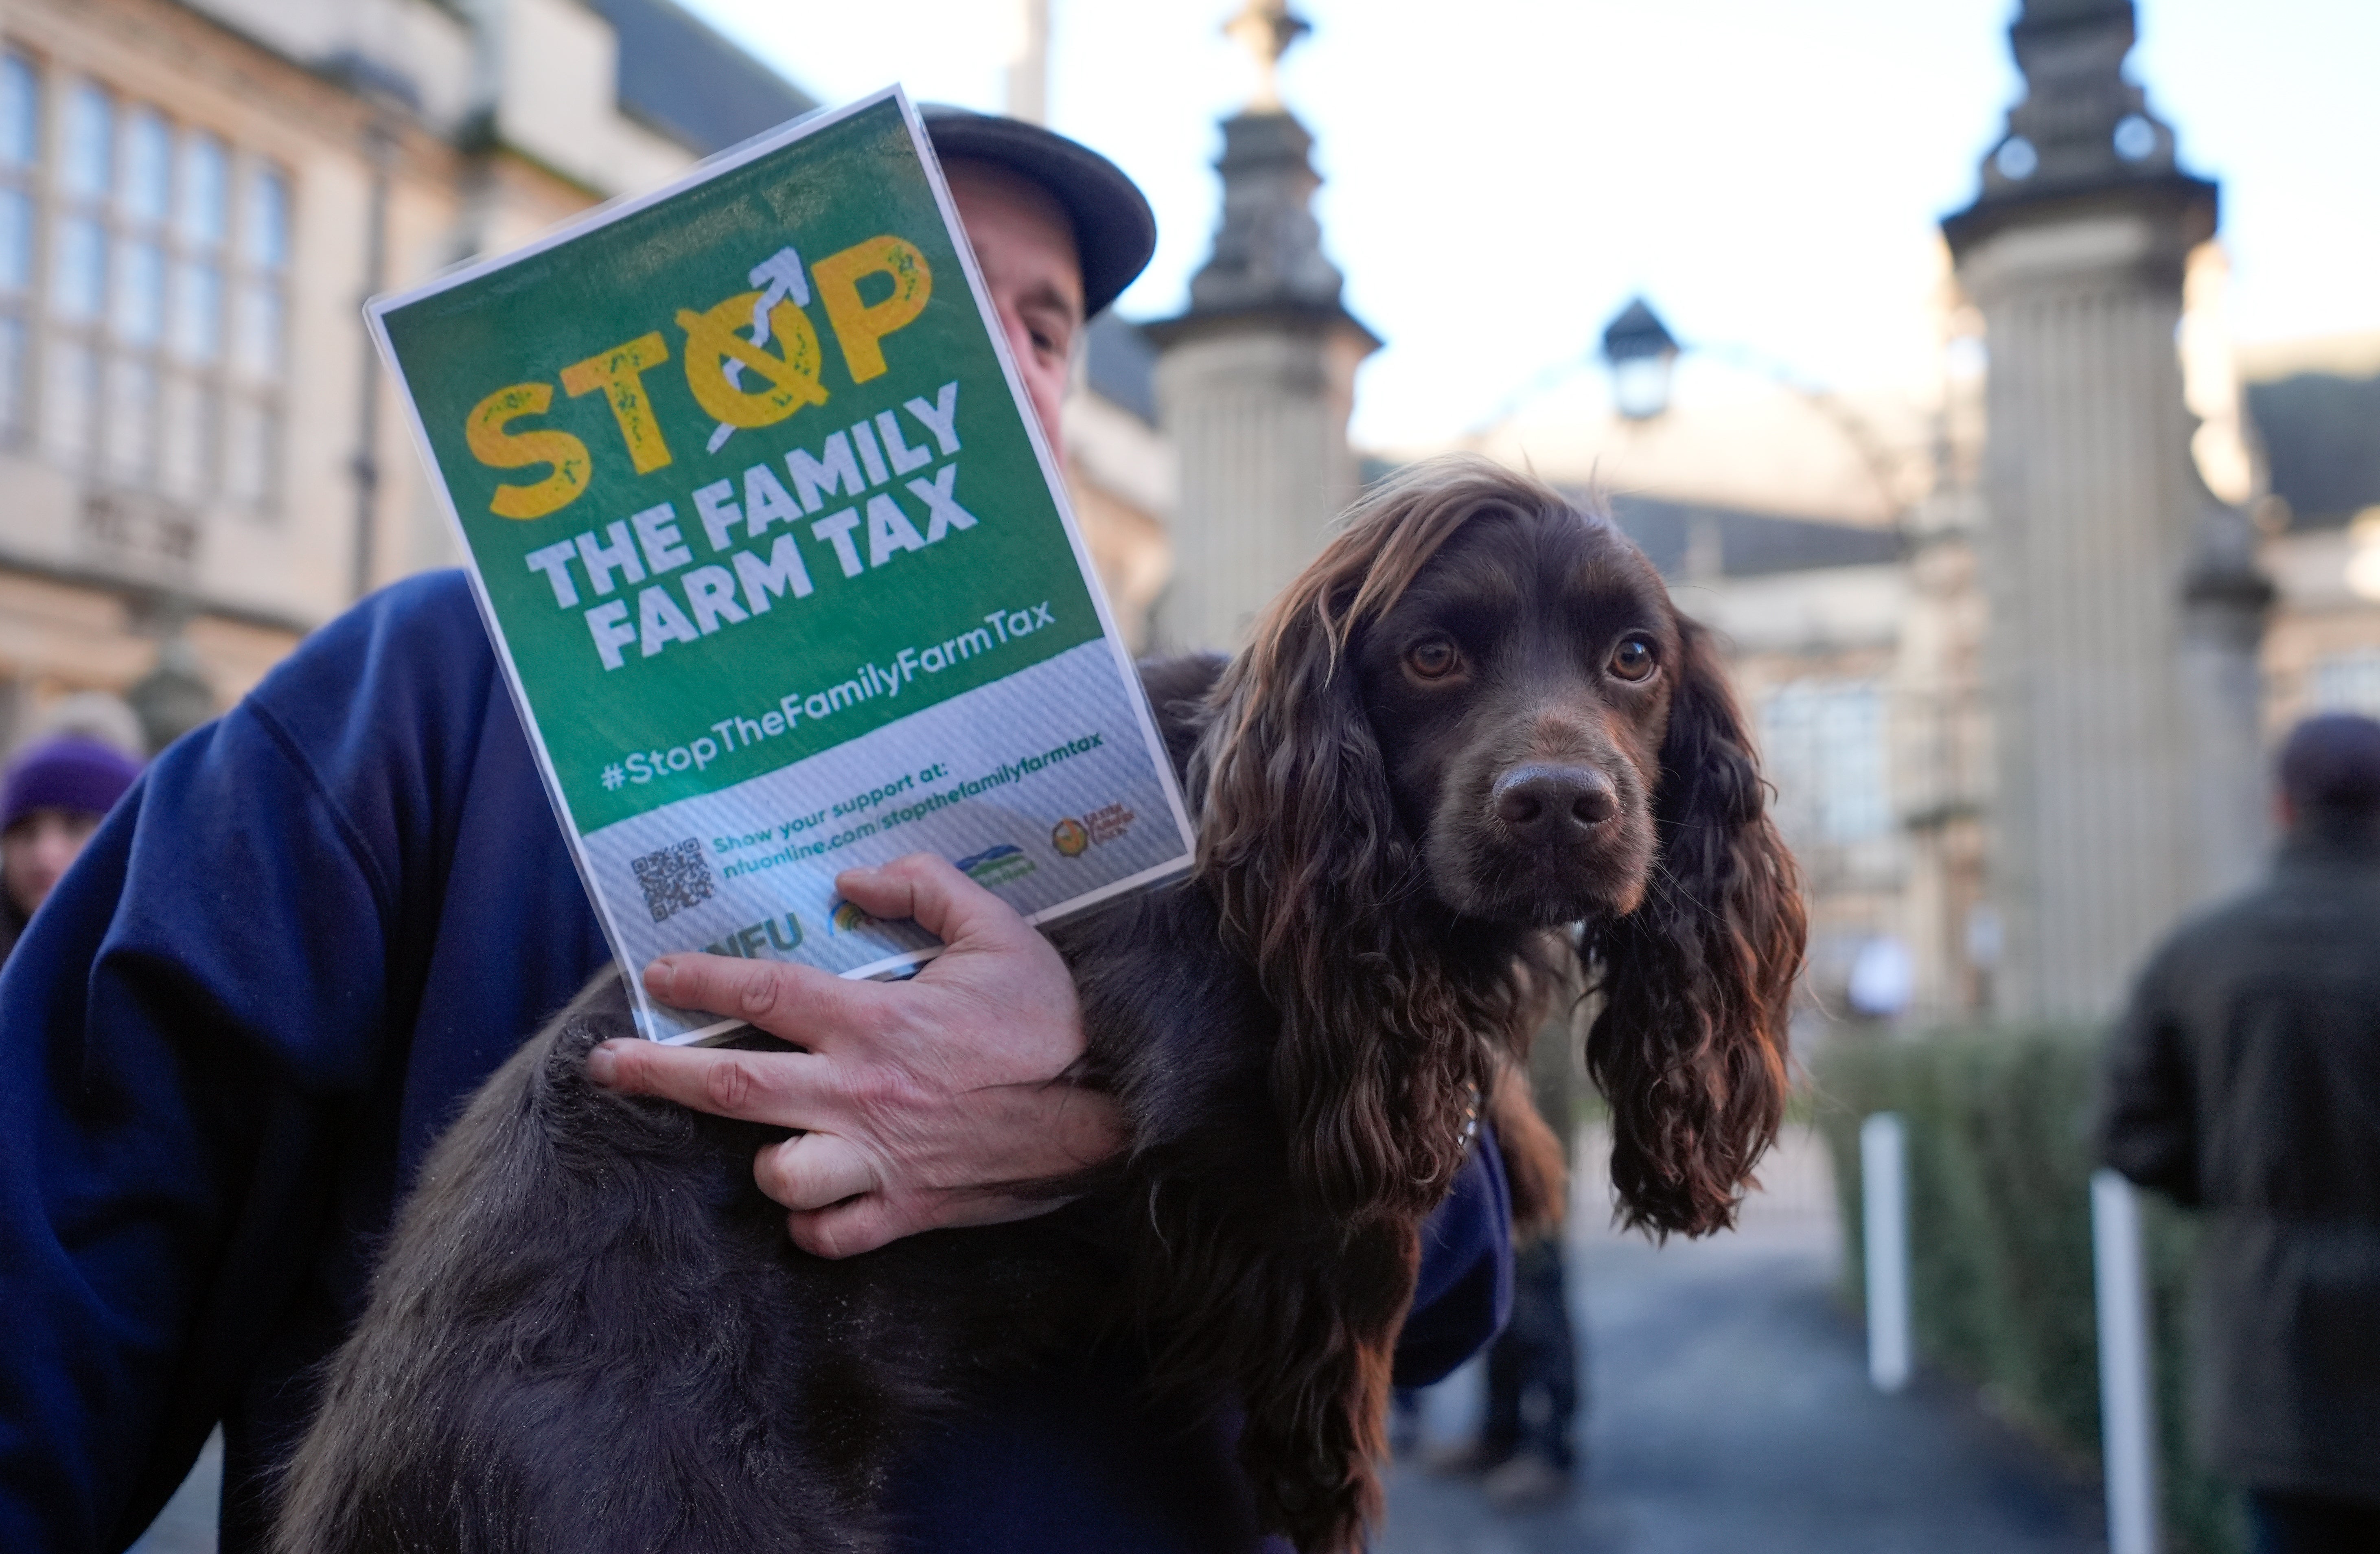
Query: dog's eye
(1634, 659)
(1433, 659)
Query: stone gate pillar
(2125, 606)
(1254, 381)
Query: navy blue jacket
(309, 931)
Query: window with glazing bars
(1823, 745)
(143, 289)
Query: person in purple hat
(54, 797)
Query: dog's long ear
(1690, 1047)
(1299, 841)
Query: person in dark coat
(52, 796)
(2245, 1080)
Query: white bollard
(1884, 1191)
(2127, 1403)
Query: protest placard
(778, 564)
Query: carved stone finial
(1268, 256)
(2083, 132)
(1267, 29)
(2081, 123)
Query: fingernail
(603, 1065)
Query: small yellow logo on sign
(1069, 837)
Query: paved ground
(1730, 1412)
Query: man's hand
(913, 1097)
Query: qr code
(675, 878)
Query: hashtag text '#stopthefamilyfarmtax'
(866, 682)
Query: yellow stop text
(738, 380)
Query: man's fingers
(864, 1223)
(942, 901)
(798, 1003)
(1090, 1128)
(812, 1170)
(788, 1089)
(848, 1229)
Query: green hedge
(1998, 1130)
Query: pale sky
(1502, 175)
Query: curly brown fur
(1690, 1047)
(1474, 720)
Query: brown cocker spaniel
(1474, 725)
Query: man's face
(1025, 247)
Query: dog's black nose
(1554, 803)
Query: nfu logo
(753, 940)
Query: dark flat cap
(1115, 232)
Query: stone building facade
(201, 458)
(2314, 409)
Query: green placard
(761, 523)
